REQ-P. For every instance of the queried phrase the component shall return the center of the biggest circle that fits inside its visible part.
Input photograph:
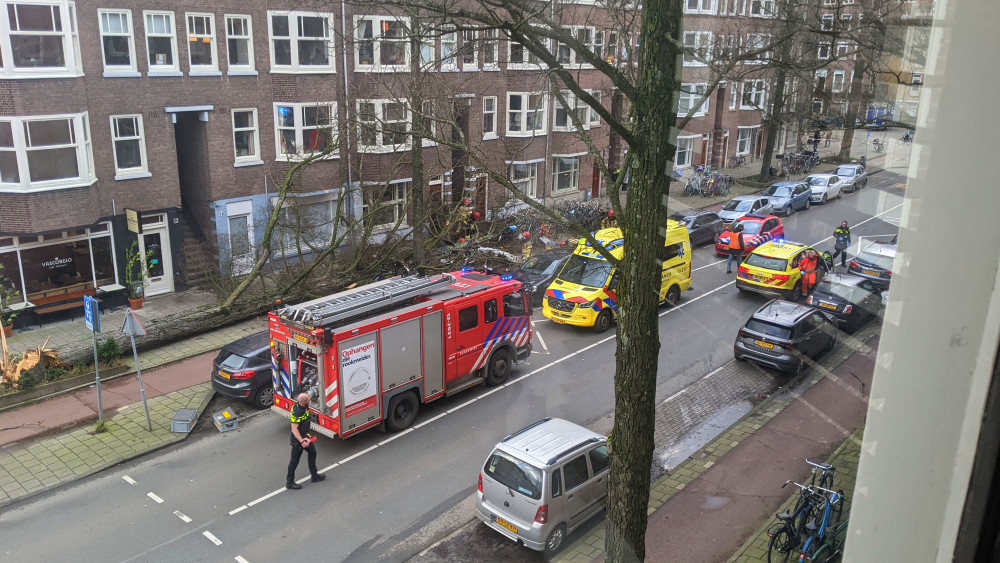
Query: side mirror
(613, 283)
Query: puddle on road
(673, 454)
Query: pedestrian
(815, 142)
(301, 441)
(807, 267)
(609, 221)
(841, 240)
(736, 248)
(829, 138)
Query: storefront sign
(57, 263)
(132, 220)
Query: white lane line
(361, 453)
(265, 497)
(428, 421)
(211, 537)
(154, 497)
(394, 436)
(240, 509)
(542, 341)
(181, 515)
(239, 559)
(709, 265)
(128, 479)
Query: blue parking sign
(91, 313)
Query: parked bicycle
(878, 145)
(824, 539)
(737, 161)
(790, 531)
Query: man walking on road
(302, 440)
(735, 248)
(841, 240)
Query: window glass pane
(575, 473)
(599, 459)
(61, 265)
(468, 318)
(104, 267)
(52, 164)
(279, 26)
(128, 154)
(8, 168)
(160, 52)
(48, 133)
(313, 53)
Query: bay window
(45, 152)
(565, 173)
(39, 40)
(304, 129)
(301, 42)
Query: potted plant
(136, 274)
(9, 295)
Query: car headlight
(587, 305)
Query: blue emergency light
(506, 277)
(468, 269)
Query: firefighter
(302, 440)
(609, 221)
(526, 246)
(807, 268)
(736, 248)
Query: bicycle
(832, 547)
(833, 509)
(878, 145)
(786, 536)
(826, 477)
(905, 139)
(737, 161)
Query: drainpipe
(347, 100)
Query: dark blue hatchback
(242, 370)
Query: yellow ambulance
(583, 294)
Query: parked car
(743, 205)
(757, 229)
(242, 370)
(786, 197)
(854, 176)
(542, 482)
(782, 334)
(537, 272)
(852, 300)
(773, 269)
(702, 226)
(824, 187)
(875, 263)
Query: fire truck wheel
(603, 322)
(402, 411)
(499, 368)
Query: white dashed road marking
(542, 341)
(128, 479)
(239, 559)
(181, 515)
(211, 537)
(154, 497)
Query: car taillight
(244, 374)
(743, 270)
(855, 264)
(848, 309)
(542, 515)
(743, 334)
(810, 300)
(785, 345)
(480, 482)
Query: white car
(824, 187)
(854, 176)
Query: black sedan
(702, 226)
(242, 370)
(785, 336)
(537, 272)
(852, 300)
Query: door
(465, 340)
(155, 243)
(579, 496)
(241, 243)
(595, 183)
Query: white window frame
(821, 73)
(577, 106)
(817, 105)
(734, 95)
(69, 34)
(916, 81)
(685, 146)
(700, 7)
(689, 94)
(491, 44)
(246, 22)
(141, 171)
(701, 44)
(293, 38)
(80, 123)
(823, 50)
(399, 202)
(300, 127)
(594, 118)
(574, 173)
(592, 38)
(756, 41)
(469, 47)
(537, 114)
(379, 122)
(377, 41)
(211, 69)
(747, 139)
(254, 130)
(131, 69)
(529, 60)
(430, 122)
(826, 22)
(161, 70)
(761, 8)
(283, 237)
(449, 48)
(529, 183)
(758, 88)
(843, 50)
(837, 88)
(491, 116)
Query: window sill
(240, 164)
(133, 176)
(492, 68)
(122, 74)
(241, 73)
(300, 158)
(303, 71)
(528, 135)
(165, 73)
(490, 137)
(205, 73)
(64, 185)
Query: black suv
(537, 272)
(242, 370)
(782, 334)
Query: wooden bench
(68, 301)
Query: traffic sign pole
(92, 316)
(131, 327)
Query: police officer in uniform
(841, 240)
(301, 440)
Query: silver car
(824, 187)
(854, 176)
(544, 481)
(742, 205)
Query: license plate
(761, 279)
(224, 375)
(871, 272)
(827, 305)
(557, 319)
(505, 524)
(763, 344)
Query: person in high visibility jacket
(302, 441)
(841, 240)
(736, 248)
(808, 267)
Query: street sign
(132, 221)
(132, 328)
(131, 325)
(91, 313)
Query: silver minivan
(544, 481)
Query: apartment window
(41, 39)
(591, 38)
(449, 50)
(129, 145)
(838, 81)
(490, 44)
(519, 58)
(525, 114)
(820, 82)
(239, 43)
(562, 121)
(594, 118)
(823, 51)
(756, 43)
(845, 21)
(381, 44)
(468, 50)
(699, 6)
(201, 43)
(843, 49)
(305, 224)
(385, 205)
(301, 42)
(614, 45)
(161, 42)
(489, 117)
(826, 22)
(762, 8)
(744, 139)
(117, 43)
(817, 105)
(384, 125)
(690, 95)
(246, 140)
(685, 151)
(426, 48)
(565, 173)
(47, 152)
(753, 94)
(734, 95)
(915, 83)
(304, 129)
(524, 176)
(429, 123)
(696, 47)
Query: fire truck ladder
(344, 305)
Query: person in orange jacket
(808, 267)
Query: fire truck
(372, 355)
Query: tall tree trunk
(775, 119)
(857, 97)
(417, 150)
(638, 341)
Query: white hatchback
(824, 187)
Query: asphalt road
(220, 497)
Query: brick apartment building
(193, 114)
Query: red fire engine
(373, 354)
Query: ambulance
(583, 294)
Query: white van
(541, 483)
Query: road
(220, 497)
